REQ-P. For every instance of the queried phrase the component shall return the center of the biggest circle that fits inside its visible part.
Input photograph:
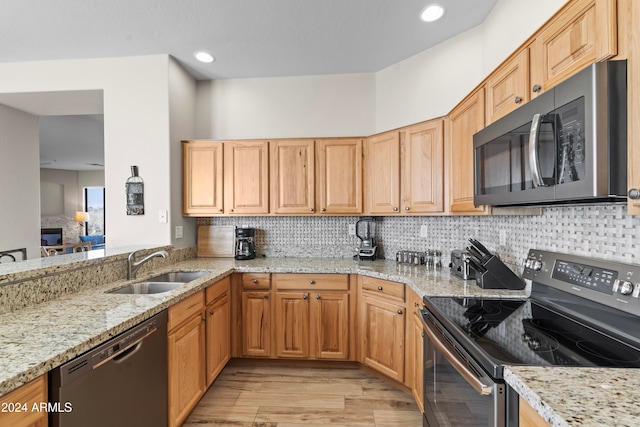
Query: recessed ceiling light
(431, 13)
(204, 57)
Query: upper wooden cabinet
(202, 178)
(405, 170)
(339, 176)
(466, 119)
(382, 166)
(292, 176)
(508, 87)
(633, 76)
(583, 32)
(246, 177)
(422, 167)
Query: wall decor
(134, 188)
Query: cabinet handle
(310, 209)
(312, 282)
(379, 288)
(255, 280)
(422, 334)
(399, 311)
(634, 194)
(406, 208)
(317, 296)
(518, 99)
(220, 210)
(204, 318)
(305, 296)
(210, 312)
(536, 88)
(230, 210)
(266, 296)
(395, 209)
(323, 209)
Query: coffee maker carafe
(245, 248)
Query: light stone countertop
(37, 339)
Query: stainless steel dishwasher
(122, 382)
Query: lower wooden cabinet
(186, 338)
(529, 417)
(292, 324)
(415, 330)
(382, 326)
(256, 323)
(218, 327)
(32, 393)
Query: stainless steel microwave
(568, 145)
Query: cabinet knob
(204, 318)
(310, 209)
(395, 209)
(536, 88)
(422, 334)
(210, 312)
(634, 194)
(312, 282)
(399, 311)
(517, 99)
(317, 296)
(305, 296)
(255, 280)
(220, 210)
(379, 288)
(266, 296)
(406, 208)
(323, 209)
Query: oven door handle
(473, 381)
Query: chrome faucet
(135, 265)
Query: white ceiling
(249, 38)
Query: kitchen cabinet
(312, 316)
(292, 176)
(382, 164)
(633, 82)
(186, 337)
(464, 120)
(20, 403)
(414, 378)
(339, 175)
(583, 32)
(202, 178)
(218, 328)
(529, 417)
(382, 326)
(422, 167)
(246, 177)
(256, 315)
(507, 87)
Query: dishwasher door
(122, 382)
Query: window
(94, 205)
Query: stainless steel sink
(161, 283)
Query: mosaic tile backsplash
(596, 231)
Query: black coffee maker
(245, 248)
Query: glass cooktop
(525, 332)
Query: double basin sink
(161, 283)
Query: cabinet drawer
(185, 310)
(256, 281)
(215, 291)
(333, 282)
(383, 287)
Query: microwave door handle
(534, 159)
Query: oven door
(457, 392)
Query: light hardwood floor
(265, 396)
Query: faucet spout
(134, 265)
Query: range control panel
(611, 283)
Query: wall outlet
(423, 231)
(503, 237)
(179, 232)
(162, 216)
(352, 229)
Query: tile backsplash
(595, 231)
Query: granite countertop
(36, 339)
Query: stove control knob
(625, 287)
(533, 264)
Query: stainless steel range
(581, 312)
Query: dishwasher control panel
(128, 340)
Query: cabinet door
(508, 87)
(382, 164)
(529, 417)
(339, 176)
(330, 325)
(422, 168)
(465, 120)
(218, 336)
(417, 355)
(292, 177)
(256, 324)
(383, 329)
(584, 32)
(246, 177)
(28, 395)
(201, 178)
(186, 369)
(292, 324)
(633, 76)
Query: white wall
(19, 181)
(182, 116)
(71, 192)
(286, 107)
(136, 130)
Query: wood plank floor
(268, 396)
